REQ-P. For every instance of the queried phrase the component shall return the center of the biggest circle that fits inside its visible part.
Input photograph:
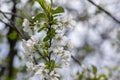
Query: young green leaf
(50, 34)
(46, 38)
(58, 10)
(80, 76)
(13, 35)
(94, 69)
(50, 6)
(42, 28)
(40, 16)
(43, 4)
(42, 57)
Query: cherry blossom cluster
(44, 58)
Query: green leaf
(55, 22)
(39, 16)
(50, 65)
(46, 45)
(57, 66)
(94, 69)
(50, 6)
(47, 64)
(13, 35)
(58, 10)
(43, 4)
(16, 70)
(80, 76)
(46, 38)
(88, 48)
(19, 22)
(115, 68)
(50, 34)
(102, 76)
(42, 57)
(42, 28)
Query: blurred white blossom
(68, 21)
(26, 27)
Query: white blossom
(60, 39)
(84, 67)
(28, 48)
(58, 50)
(66, 57)
(69, 45)
(68, 21)
(45, 74)
(35, 39)
(30, 67)
(26, 27)
(41, 69)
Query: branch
(108, 13)
(15, 28)
(2, 69)
(82, 66)
(12, 14)
(77, 61)
(12, 25)
(5, 23)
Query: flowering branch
(54, 47)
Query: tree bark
(12, 44)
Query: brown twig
(77, 61)
(12, 25)
(102, 9)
